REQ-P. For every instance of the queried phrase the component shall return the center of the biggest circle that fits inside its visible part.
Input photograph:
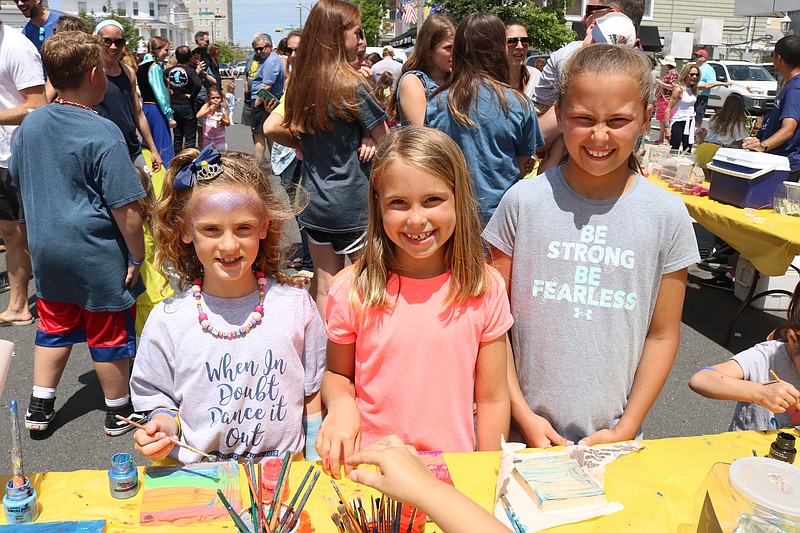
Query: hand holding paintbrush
(789, 393)
(155, 440)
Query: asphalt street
(76, 439)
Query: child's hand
(339, 437)
(603, 436)
(539, 433)
(367, 149)
(777, 396)
(153, 442)
(402, 473)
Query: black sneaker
(4, 285)
(40, 413)
(719, 282)
(115, 427)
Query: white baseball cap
(614, 28)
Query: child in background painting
(763, 403)
(417, 326)
(227, 364)
(215, 119)
(597, 249)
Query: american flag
(410, 12)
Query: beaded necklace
(60, 100)
(251, 322)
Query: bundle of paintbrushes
(383, 516)
(272, 516)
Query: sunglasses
(259, 48)
(593, 8)
(291, 50)
(361, 34)
(118, 42)
(693, 75)
(512, 41)
(41, 34)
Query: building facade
(213, 16)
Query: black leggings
(677, 137)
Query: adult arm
(725, 381)
(155, 76)
(403, 476)
(677, 94)
(34, 97)
(658, 355)
(784, 134)
(340, 433)
(411, 100)
(129, 222)
(712, 84)
(491, 394)
(536, 430)
(276, 132)
(141, 122)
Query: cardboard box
(745, 272)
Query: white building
(213, 16)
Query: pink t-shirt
(415, 361)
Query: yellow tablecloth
(656, 485)
(770, 245)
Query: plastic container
(21, 504)
(269, 480)
(746, 179)
(753, 494)
(123, 478)
(419, 520)
(787, 199)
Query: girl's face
(353, 38)
(601, 123)
(519, 50)
(215, 98)
(442, 55)
(419, 216)
(225, 225)
(162, 53)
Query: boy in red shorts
(80, 193)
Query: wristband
(134, 262)
(169, 412)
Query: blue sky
(251, 16)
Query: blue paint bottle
(123, 478)
(20, 503)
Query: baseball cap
(701, 53)
(668, 60)
(614, 28)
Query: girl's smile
(418, 214)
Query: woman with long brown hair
(155, 97)
(521, 77)
(427, 68)
(494, 125)
(684, 96)
(329, 107)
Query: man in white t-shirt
(21, 90)
(387, 64)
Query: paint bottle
(123, 479)
(783, 448)
(269, 480)
(20, 503)
(419, 520)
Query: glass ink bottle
(123, 478)
(783, 448)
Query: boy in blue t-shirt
(84, 231)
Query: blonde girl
(215, 119)
(230, 99)
(219, 226)
(593, 247)
(417, 327)
(329, 107)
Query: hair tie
(206, 166)
(108, 22)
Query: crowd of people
(449, 246)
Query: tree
(226, 52)
(372, 13)
(91, 19)
(545, 23)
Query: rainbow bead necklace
(252, 321)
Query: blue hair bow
(205, 166)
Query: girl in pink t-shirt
(215, 119)
(417, 326)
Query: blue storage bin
(746, 179)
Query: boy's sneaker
(719, 282)
(115, 427)
(40, 413)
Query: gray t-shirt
(756, 362)
(333, 176)
(545, 91)
(235, 398)
(585, 277)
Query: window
(720, 72)
(152, 8)
(135, 8)
(81, 7)
(121, 8)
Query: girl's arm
(379, 131)
(156, 78)
(203, 111)
(536, 430)
(340, 433)
(491, 394)
(726, 382)
(226, 120)
(141, 122)
(413, 100)
(658, 354)
(402, 475)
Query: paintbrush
(303, 500)
(276, 498)
(512, 516)
(775, 375)
(18, 472)
(172, 438)
(346, 506)
(253, 504)
(237, 520)
(411, 522)
(290, 510)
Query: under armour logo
(578, 313)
